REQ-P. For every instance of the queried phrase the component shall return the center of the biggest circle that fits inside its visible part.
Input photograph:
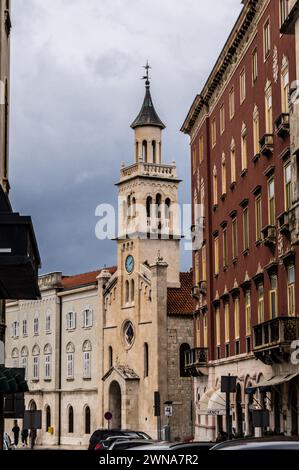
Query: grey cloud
(76, 68)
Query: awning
(204, 401)
(217, 404)
(264, 385)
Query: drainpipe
(59, 371)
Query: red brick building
(246, 312)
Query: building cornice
(77, 290)
(226, 59)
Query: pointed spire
(147, 115)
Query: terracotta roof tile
(85, 279)
(179, 301)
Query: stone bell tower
(149, 222)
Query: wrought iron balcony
(272, 339)
(282, 125)
(267, 145)
(196, 361)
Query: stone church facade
(108, 340)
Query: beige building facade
(109, 339)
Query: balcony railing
(282, 125)
(148, 169)
(272, 339)
(283, 223)
(196, 360)
(269, 236)
(267, 144)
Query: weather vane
(146, 77)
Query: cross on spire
(146, 77)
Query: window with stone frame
(291, 291)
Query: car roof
(131, 441)
(281, 442)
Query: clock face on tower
(129, 264)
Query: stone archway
(115, 404)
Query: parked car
(173, 447)
(264, 443)
(99, 437)
(128, 444)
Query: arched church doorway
(115, 405)
(239, 411)
(32, 406)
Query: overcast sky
(76, 88)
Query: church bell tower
(149, 225)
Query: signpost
(168, 410)
(108, 417)
(228, 386)
(32, 419)
(157, 409)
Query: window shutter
(74, 319)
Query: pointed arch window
(132, 290)
(167, 208)
(158, 205)
(24, 360)
(48, 418)
(144, 151)
(127, 291)
(87, 359)
(48, 361)
(146, 360)
(154, 151)
(149, 202)
(70, 353)
(48, 323)
(87, 420)
(15, 357)
(110, 356)
(36, 356)
(71, 420)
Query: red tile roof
(179, 301)
(85, 279)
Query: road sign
(108, 416)
(32, 419)
(168, 410)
